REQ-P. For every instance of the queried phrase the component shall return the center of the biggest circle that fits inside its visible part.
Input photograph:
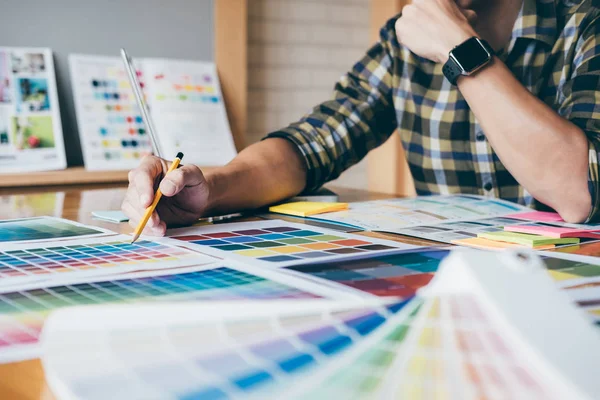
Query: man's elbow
(576, 209)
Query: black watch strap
(452, 70)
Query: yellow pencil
(157, 196)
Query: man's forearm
(262, 174)
(545, 153)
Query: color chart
(44, 228)
(76, 259)
(111, 129)
(188, 110)
(185, 102)
(399, 275)
(279, 243)
(262, 355)
(396, 214)
(22, 312)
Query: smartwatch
(467, 58)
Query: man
(522, 124)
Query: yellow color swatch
(307, 208)
(255, 253)
(561, 276)
(486, 244)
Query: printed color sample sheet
(44, 228)
(184, 98)
(279, 243)
(31, 137)
(399, 275)
(22, 312)
(394, 214)
(29, 263)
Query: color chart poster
(185, 102)
(188, 111)
(31, 136)
(111, 131)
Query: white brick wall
(297, 50)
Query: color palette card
(278, 243)
(450, 232)
(307, 208)
(526, 239)
(396, 275)
(45, 229)
(23, 312)
(22, 264)
(188, 110)
(111, 130)
(579, 277)
(184, 98)
(471, 340)
(394, 215)
(266, 351)
(31, 137)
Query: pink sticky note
(539, 216)
(553, 231)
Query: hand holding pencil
(183, 191)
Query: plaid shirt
(554, 52)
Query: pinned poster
(31, 137)
(185, 102)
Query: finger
(470, 15)
(136, 213)
(175, 181)
(143, 177)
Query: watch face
(470, 55)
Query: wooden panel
(388, 170)
(69, 176)
(231, 32)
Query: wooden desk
(25, 380)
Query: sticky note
(539, 216)
(486, 244)
(110, 216)
(526, 239)
(554, 231)
(307, 208)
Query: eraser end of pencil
(180, 155)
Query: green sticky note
(526, 239)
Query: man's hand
(185, 195)
(431, 28)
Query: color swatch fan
(31, 137)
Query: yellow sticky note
(307, 208)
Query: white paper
(185, 102)
(187, 107)
(31, 137)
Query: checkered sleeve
(340, 132)
(581, 102)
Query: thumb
(175, 181)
